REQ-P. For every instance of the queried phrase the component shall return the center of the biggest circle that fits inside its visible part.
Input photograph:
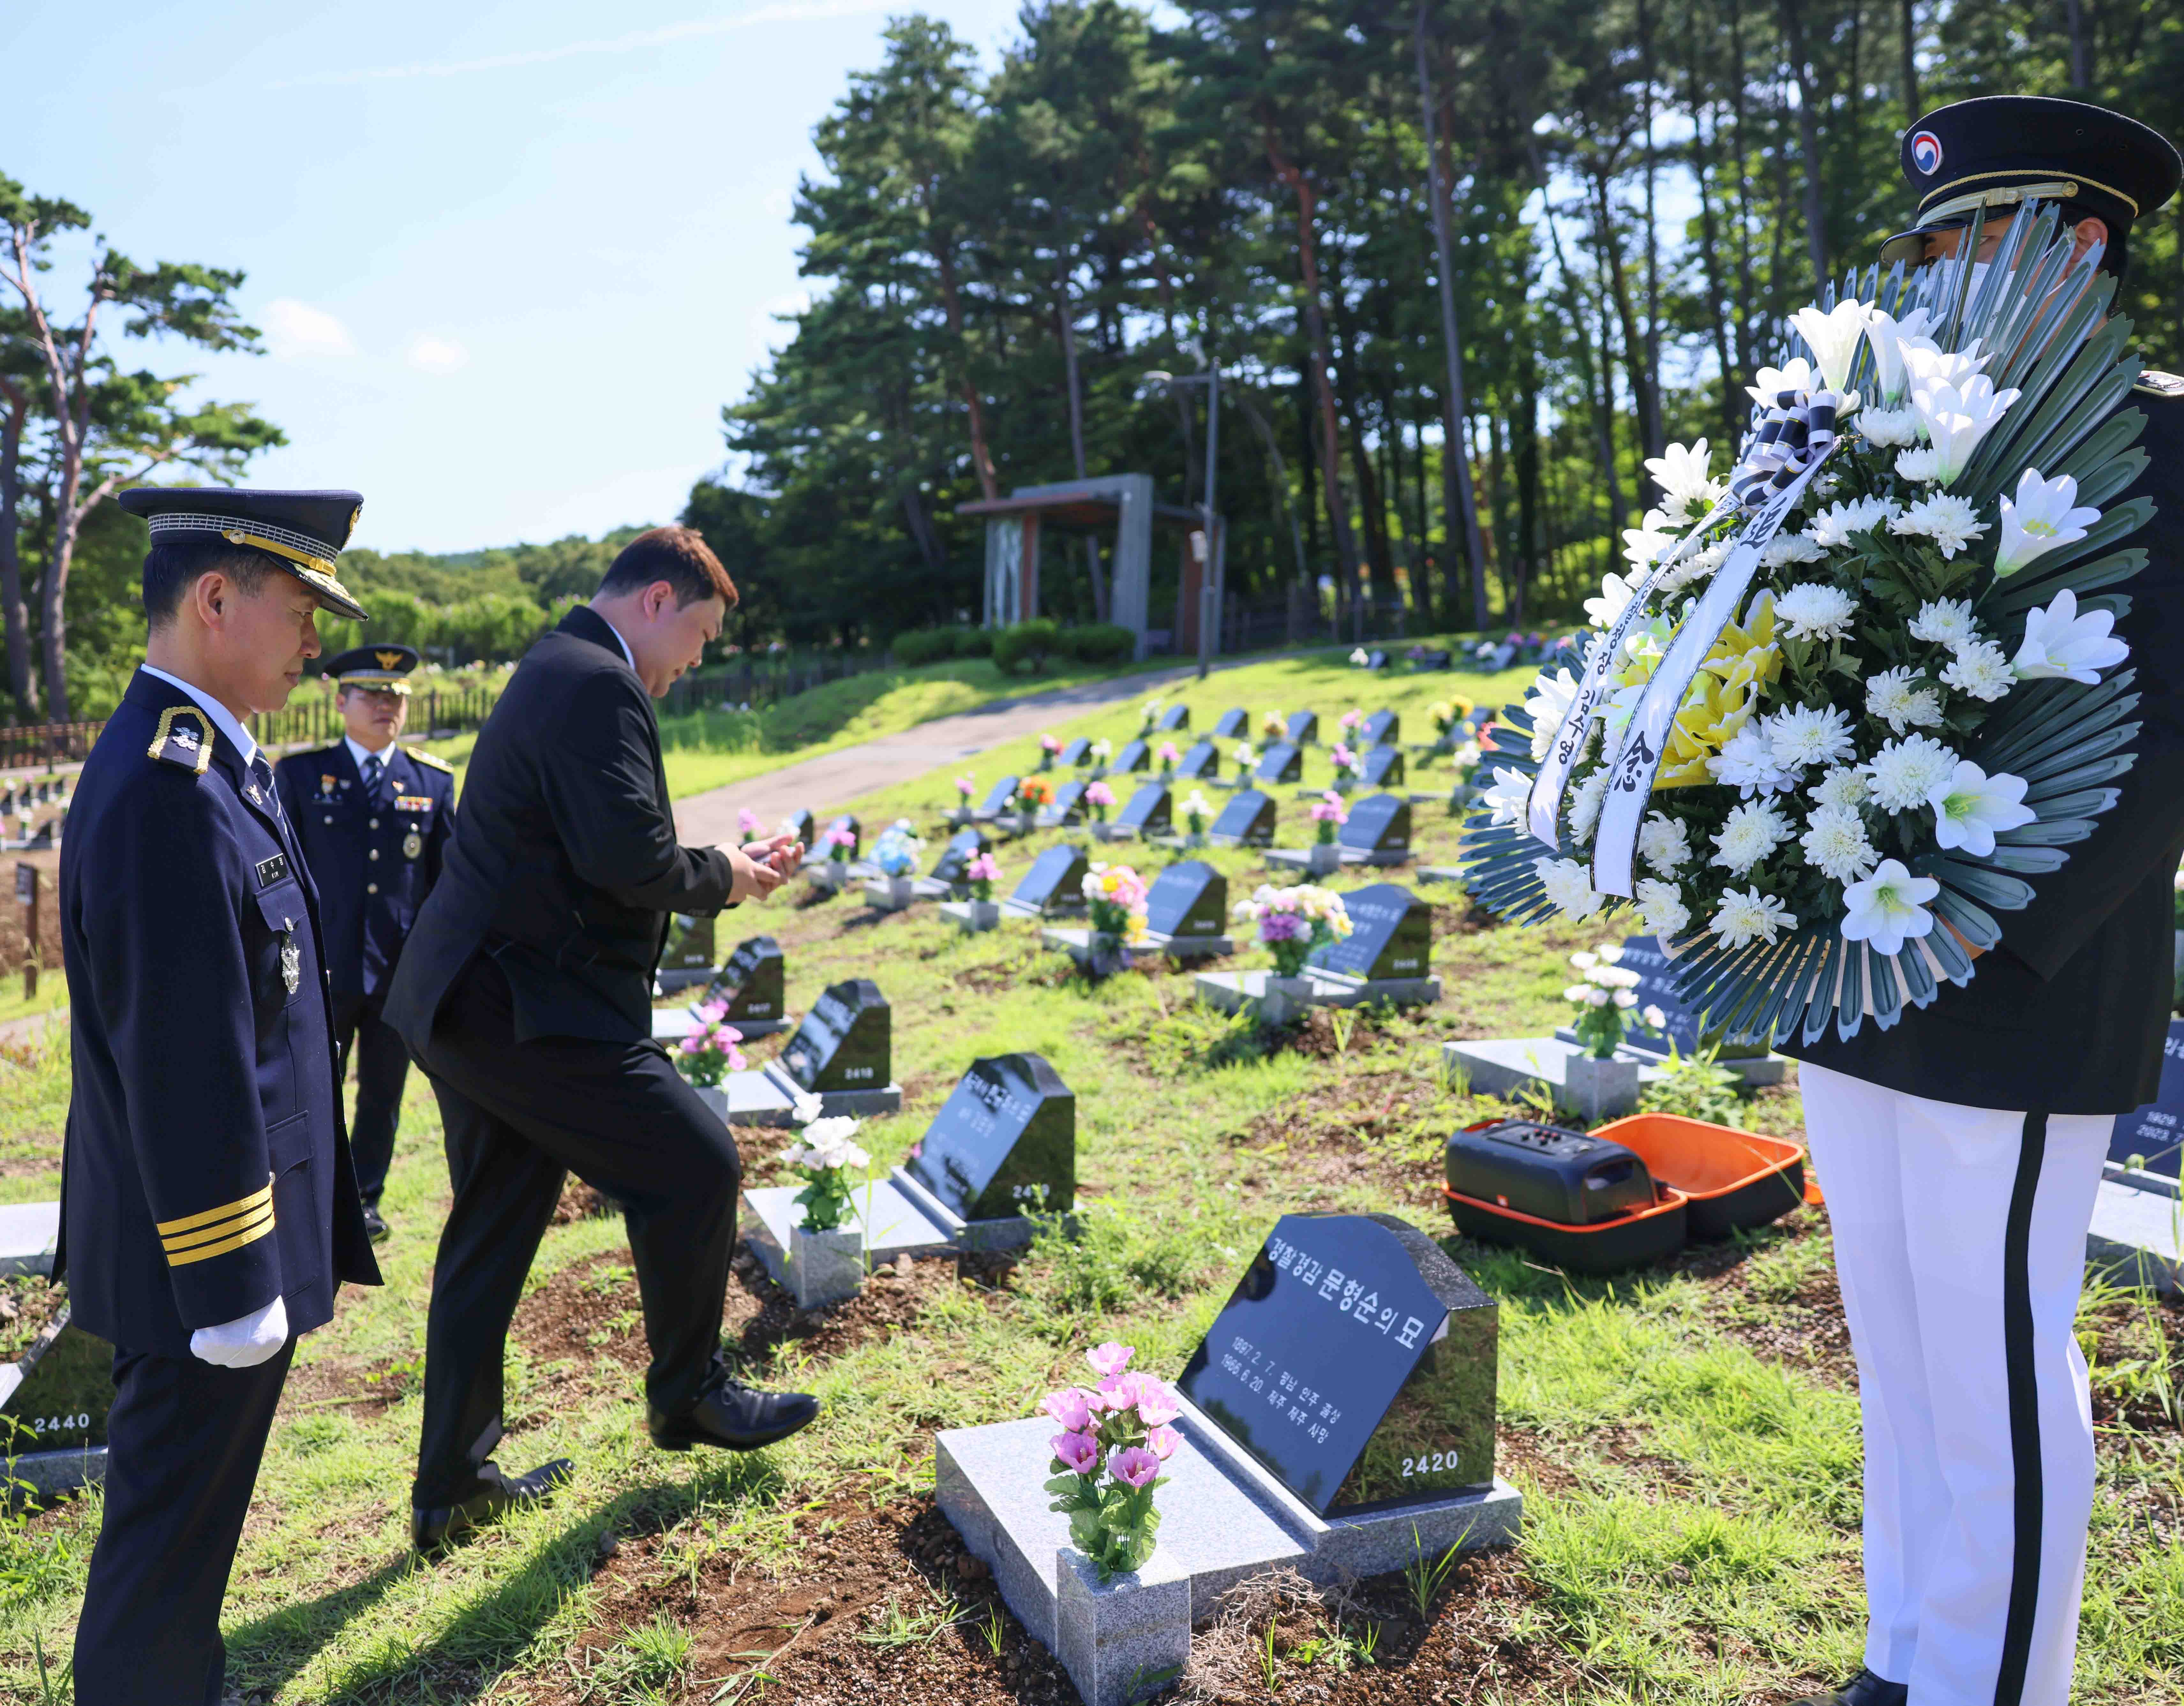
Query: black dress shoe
(377, 1229)
(1865, 1689)
(434, 1525)
(733, 1416)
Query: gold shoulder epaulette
(183, 738)
(429, 761)
(2154, 383)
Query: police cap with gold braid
(1990, 154)
(381, 665)
(303, 531)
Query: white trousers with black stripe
(1960, 1243)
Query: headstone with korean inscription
(1201, 764)
(1055, 881)
(1135, 755)
(753, 983)
(1066, 807)
(1246, 821)
(1380, 728)
(1357, 1363)
(687, 956)
(1390, 936)
(842, 1054)
(1303, 729)
(997, 798)
(2152, 1137)
(1384, 767)
(1004, 1143)
(1379, 832)
(1233, 725)
(55, 1398)
(1280, 763)
(963, 847)
(1078, 754)
(1187, 909)
(1173, 718)
(1149, 811)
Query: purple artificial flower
(1110, 1358)
(1156, 1403)
(1133, 1465)
(1280, 926)
(1162, 1441)
(1070, 1408)
(1077, 1453)
(693, 1044)
(713, 1012)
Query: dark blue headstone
(688, 952)
(1189, 898)
(964, 846)
(66, 1389)
(1233, 725)
(1136, 755)
(1004, 1143)
(1304, 727)
(1202, 763)
(1380, 728)
(752, 981)
(1148, 811)
(799, 823)
(1249, 817)
(1657, 988)
(1384, 765)
(1174, 717)
(997, 798)
(1280, 763)
(1054, 879)
(846, 1042)
(848, 821)
(2156, 1131)
(1379, 823)
(1068, 803)
(1391, 936)
(1078, 754)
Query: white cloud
(295, 329)
(430, 355)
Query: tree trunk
(1065, 323)
(1717, 308)
(1808, 137)
(1371, 511)
(1908, 23)
(1656, 431)
(2081, 48)
(1611, 250)
(21, 684)
(951, 302)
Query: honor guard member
(373, 817)
(1961, 1150)
(209, 1210)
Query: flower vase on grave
(982, 912)
(1324, 858)
(825, 1267)
(1596, 1089)
(1125, 1637)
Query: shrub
(1697, 1087)
(924, 646)
(1026, 642)
(973, 642)
(1099, 642)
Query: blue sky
(509, 259)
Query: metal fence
(760, 678)
(317, 722)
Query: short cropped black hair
(172, 566)
(678, 555)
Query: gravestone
(1135, 756)
(8, 803)
(1201, 764)
(799, 823)
(1233, 725)
(56, 1398)
(2155, 1132)
(1383, 765)
(997, 796)
(1066, 807)
(1376, 660)
(754, 982)
(1430, 658)
(45, 792)
(1190, 898)
(1076, 754)
(846, 1042)
(1380, 728)
(1379, 831)
(1173, 718)
(1303, 729)
(1355, 1362)
(1280, 763)
(1657, 988)
(964, 846)
(848, 821)
(1246, 821)
(1149, 811)
(1391, 936)
(1004, 1143)
(1054, 880)
(686, 957)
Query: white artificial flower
(1802, 735)
(1835, 843)
(1884, 333)
(2040, 519)
(1595, 995)
(1552, 696)
(1585, 960)
(1888, 429)
(1625, 1000)
(1570, 886)
(1815, 612)
(1511, 789)
(1769, 382)
(1972, 807)
(804, 1109)
(1846, 788)
(1926, 363)
(1835, 524)
(2060, 644)
(1584, 804)
(1611, 953)
(1693, 568)
(1681, 474)
(1905, 772)
(1614, 594)
(1751, 917)
(1946, 519)
(1647, 643)
(1888, 909)
(1958, 417)
(1360, 657)
(1894, 697)
(1981, 668)
(1642, 545)
(1655, 1019)
(1786, 548)
(1663, 843)
(1747, 763)
(1753, 832)
(1945, 622)
(1833, 336)
(1661, 907)
(1921, 465)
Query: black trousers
(519, 1118)
(184, 1440)
(382, 1066)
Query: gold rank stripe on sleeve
(198, 1237)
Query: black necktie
(261, 785)
(373, 767)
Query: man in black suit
(525, 994)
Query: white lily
(1972, 806)
(1642, 545)
(1550, 699)
(1833, 337)
(1927, 363)
(1883, 335)
(2061, 644)
(1794, 375)
(1958, 417)
(1511, 789)
(1889, 907)
(1614, 594)
(2041, 518)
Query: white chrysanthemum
(1905, 772)
(1895, 697)
(1664, 843)
(1548, 704)
(1945, 622)
(1920, 465)
(1511, 789)
(1751, 917)
(1693, 568)
(1887, 428)
(1753, 832)
(1615, 593)
(1642, 545)
(1835, 844)
(1681, 474)
(1585, 804)
(1785, 549)
(1845, 789)
(1814, 612)
(1833, 525)
(1945, 518)
(1569, 885)
(1747, 763)
(1660, 905)
(1981, 668)
(1802, 735)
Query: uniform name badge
(412, 845)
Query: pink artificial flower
(1069, 1407)
(737, 1061)
(1167, 754)
(836, 836)
(1133, 1465)
(1343, 757)
(1156, 1403)
(747, 822)
(1110, 1358)
(983, 868)
(713, 1012)
(1329, 808)
(967, 785)
(1161, 1442)
(693, 1044)
(1077, 1453)
(1352, 717)
(1118, 1392)
(1099, 794)
(1050, 743)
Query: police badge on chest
(291, 961)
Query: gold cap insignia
(388, 660)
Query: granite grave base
(1024, 908)
(1113, 833)
(29, 1233)
(1506, 1065)
(1077, 943)
(45, 1475)
(767, 1096)
(1755, 1069)
(2136, 1237)
(972, 916)
(901, 1218)
(1232, 991)
(1125, 1639)
(897, 894)
(1301, 859)
(1441, 873)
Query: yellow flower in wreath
(1723, 696)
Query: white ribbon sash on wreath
(1794, 442)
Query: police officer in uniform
(1961, 1150)
(208, 1209)
(373, 817)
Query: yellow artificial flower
(1723, 696)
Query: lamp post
(1210, 563)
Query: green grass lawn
(1685, 1437)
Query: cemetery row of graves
(1234, 1267)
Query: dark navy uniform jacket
(373, 859)
(206, 1169)
(2067, 1015)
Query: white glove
(243, 1343)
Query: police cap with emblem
(383, 666)
(303, 531)
(1990, 154)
